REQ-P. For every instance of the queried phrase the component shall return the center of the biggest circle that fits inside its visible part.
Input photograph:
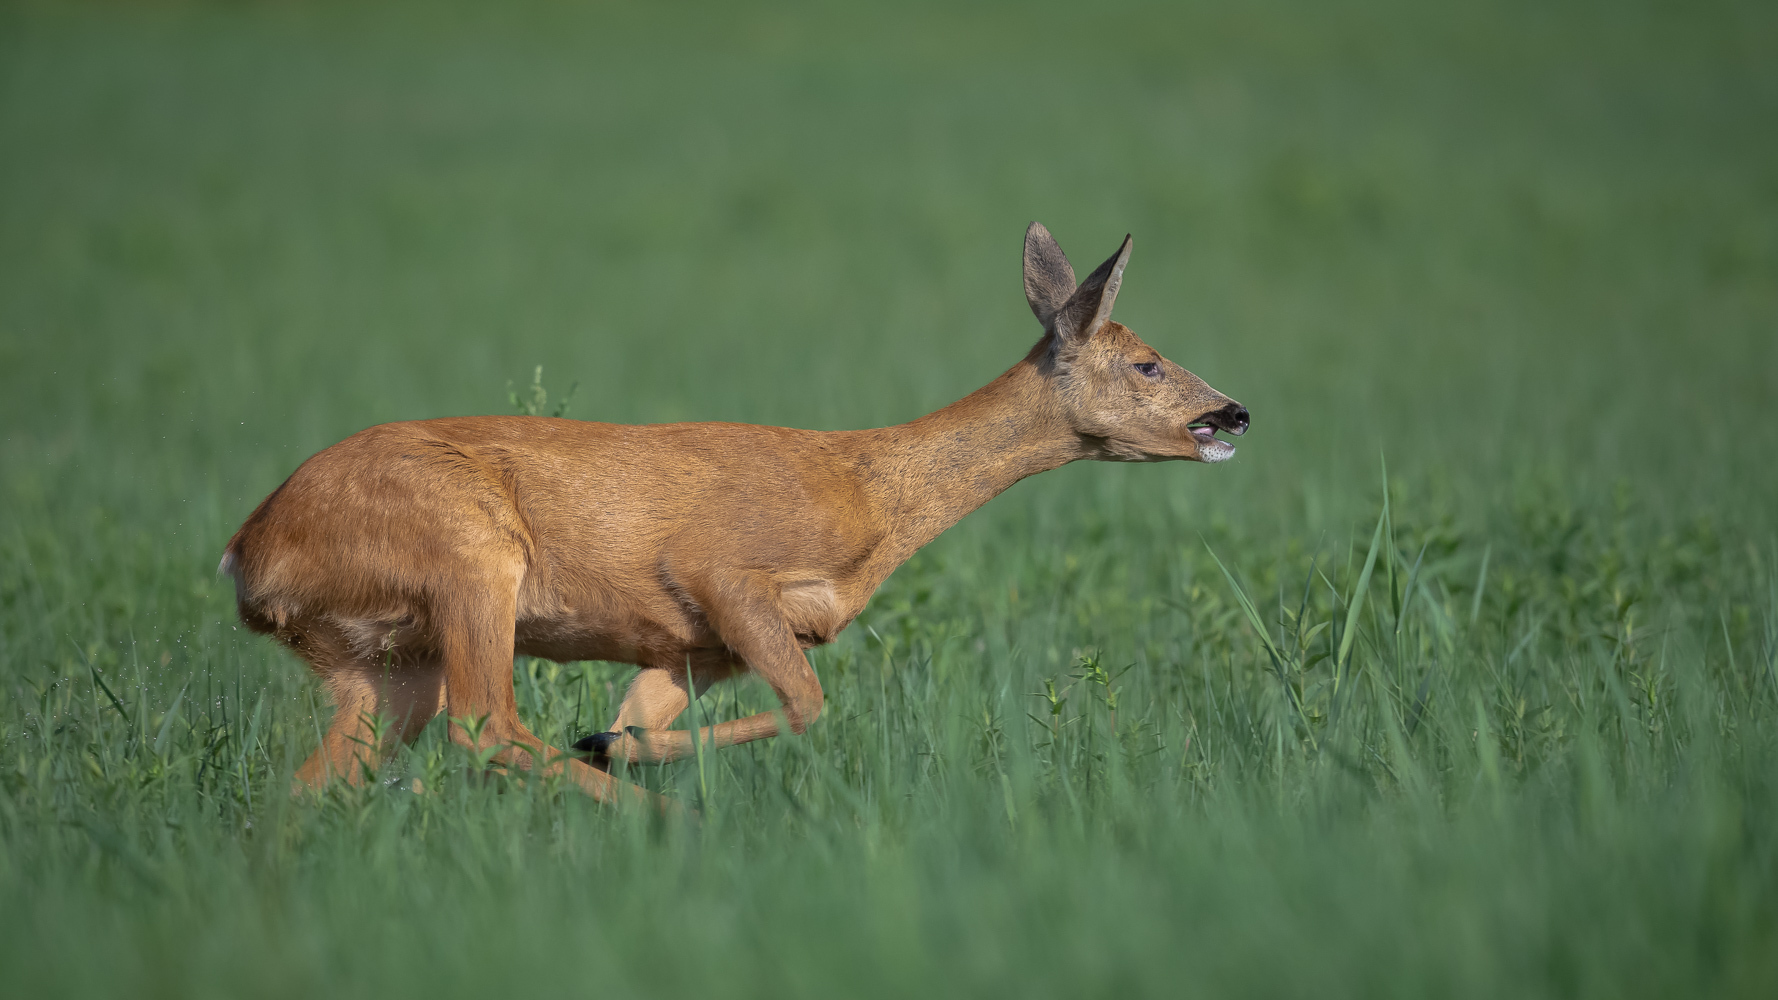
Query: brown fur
(410, 562)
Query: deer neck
(929, 473)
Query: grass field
(1501, 720)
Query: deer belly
(565, 639)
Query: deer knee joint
(801, 713)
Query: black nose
(1232, 418)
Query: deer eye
(1149, 368)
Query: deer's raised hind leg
(754, 628)
(656, 697)
(652, 701)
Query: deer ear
(1090, 305)
(1049, 279)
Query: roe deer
(409, 563)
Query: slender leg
(345, 750)
(401, 697)
(654, 699)
(751, 624)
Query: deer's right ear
(1049, 280)
(1090, 306)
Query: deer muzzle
(1232, 418)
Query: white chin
(1214, 450)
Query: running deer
(409, 563)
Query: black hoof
(598, 744)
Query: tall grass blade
(1407, 598)
(99, 679)
(160, 738)
(1355, 604)
(1481, 584)
(694, 718)
(1251, 612)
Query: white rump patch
(231, 567)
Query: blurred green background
(1526, 252)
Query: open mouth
(1210, 447)
(1232, 419)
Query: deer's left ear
(1049, 279)
(1090, 305)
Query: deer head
(1125, 401)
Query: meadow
(1460, 679)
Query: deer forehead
(1115, 336)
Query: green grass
(1523, 743)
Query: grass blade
(160, 739)
(1356, 602)
(1481, 582)
(1250, 611)
(99, 679)
(1407, 596)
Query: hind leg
(655, 698)
(376, 703)
(757, 637)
